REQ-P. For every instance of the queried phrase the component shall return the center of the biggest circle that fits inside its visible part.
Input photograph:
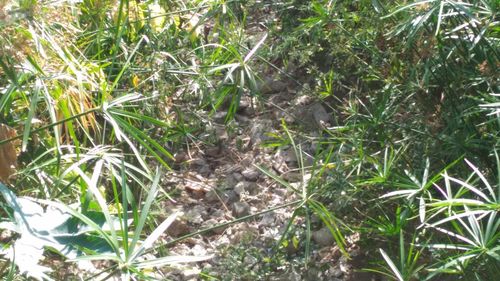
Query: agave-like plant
(407, 267)
(81, 234)
(127, 250)
(239, 75)
(467, 213)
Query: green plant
(309, 204)
(126, 249)
(467, 213)
(40, 229)
(407, 267)
(99, 234)
(239, 76)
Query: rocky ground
(221, 182)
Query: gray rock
(229, 197)
(312, 273)
(320, 115)
(237, 176)
(212, 223)
(250, 260)
(271, 86)
(240, 188)
(335, 272)
(252, 188)
(245, 102)
(219, 116)
(293, 176)
(323, 237)
(241, 209)
(287, 276)
(196, 214)
(213, 151)
(250, 174)
(201, 166)
(211, 196)
(288, 155)
(221, 133)
(190, 274)
(178, 228)
(268, 219)
(231, 181)
(258, 130)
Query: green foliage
(39, 229)
(308, 205)
(101, 91)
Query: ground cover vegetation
(249, 140)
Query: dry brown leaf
(8, 153)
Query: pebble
(230, 197)
(211, 196)
(252, 188)
(258, 130)
(237, 176)
(320, 115)
(271, 86)
(212, 223)
(241, 209)
(250, 174)
(323, 237)
(178, 228)
(335, 272)
(220, 116)
(245, 186)
(240, 187)
(268, 219)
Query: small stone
(199, 250)
(293, 176)
(250, 174)
(320, 115)
(313, 273)
(190, 273)
(237, 176)
(241, 209)
(178, 228)
(240, 187)
(213, 151)
(252, 188)
(221, 133)
(212, 223)
(250, 260)
(211, 196)
(196, 190)
(335, 272)
(258, 131)
(196, 214)
(288, 156)
(270, 86)
(220, 116)
(268, 219)
(323, 237)
(230, 181)
(230, 197)
(201, 166)
(180, 157)
(287, 276)
(303, 100)
(245, 102)
(245, 186)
